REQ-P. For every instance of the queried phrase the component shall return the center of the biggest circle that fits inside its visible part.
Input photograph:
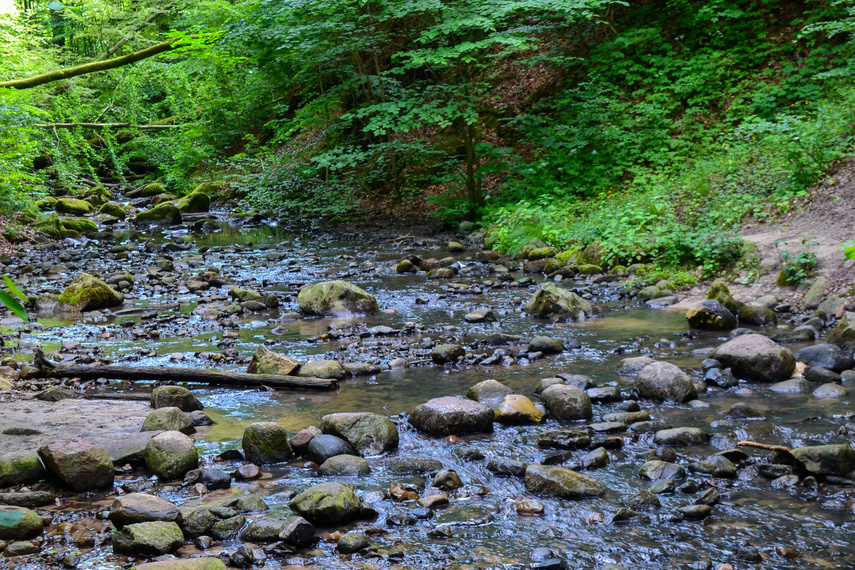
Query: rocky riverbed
(491, 412)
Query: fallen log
(165, 374)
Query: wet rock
(211, 478)
(632, 366)
(265, 361)
(719, 291)
(148, 539)
(483, 315)
(644, 501)
(300, 442)
(743, 411)
(200, 419)
(546, 345)
(228, 528)
(604, 394)
(452, 416)
(332, 298)
(507, 467)
(369, 434)
(830, 391)
(168, 419)
(361, 368)
(344, 466)
(843, 335)
(683, 436)
(325, 446)
(406, 266)
(29, 499)
(243, 557)
(564, 439)
(516, 410)
(594, 459)
(265, 443)
(576, 380)
(551, 301)
(838, 459)
(758, 316)
(297, 531)
(88, 293)
(721, 378)
(198, 201)
(55, 394)
(756, 357)
(19, 523)
(352, 542)
(665, 381)
(21, 468)
(447, 479)
(561, 483)
(792, 386)
(162, 214)
(659, 470)
(715, 465)
(446, 353)
(175, 397)
(327, 504)
(199, 521)
(529, 508)
(412, 465)
(710, 315)
(662, 486)
(709, 497)
(627, 417)
(489, 392)
(80, 465)
(545, 383)
(805, 333)
(140, 507)
(171, 454)
(566, 403)
(650, 426)
(695, 512)
(817, 374)
(432, 501)
(328, 369)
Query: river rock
(678, 437)
(327, 504)
(665, 381)
(756, 357)
(830, 391)
(18, 523)
(661, 470)
(552, 301)
(198, 201)
(759, 316)
(265, 361)
(792, 386)
(175, 397)
(228, 528)
(55, 394)
(710, 315)
(719, 292)
(297, 531)
(353, 541)
(843, 335)
(29, 499)
(837, 459)
(560, 482)
(721, 378)
(412, 465)
(566, 403)
(633, 365)
(482, 315)
(168, 419)
(211, 478)
(716, 466)
(515, 409)
(328, 369)
(265, 443)
(184, 564)
(80, 465)
(817, 374)
(489, 392)
(140, 507)
(828, 356)
(326, 446)
(369, 434)
(452, 416)
(331, 298)
(344, 466)
(20, 468)
(170, 455)
(546, 345)
(162, 214)
(446, 353)
(88, 293)
(148, 539)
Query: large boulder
(148, 539)
(843, 335)
(175, 397)
(140, 507)
(560, 482)
(710, 315)
(567, 403)
(665, 381)
(488, 392)
(162, 214)
(265, 361)
(828, 356)
(329, 369)
(80, 465)
(327, 504)
(18, 523)
(266, 442)
(73, 207)
(756, 357)
(88, 293)
(170, 455)
(552, 301)
(452, 416)
(198, 201)
(369, 434)
(837, 459)
(168, 419)
(20, 468)
(331, 298)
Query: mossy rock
(491, 237)
(113, 209)
(88, 293)
(153, 189)
(551, 301)
(541, 253)
(170, 455)
(565, 256)
(73, 207)
(96, 200)
(265, 443)
(100, 191)
(195, 202)
(52, 227)
(81, 225)
(19, 523)
(163, 214)
(162, 199)
(406, 266)
(720, 292)
(331, 298)
(328, 369)
(21, 468)
(148, 538)
(592, 254)
(589, 269)
(327, 504)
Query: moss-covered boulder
(162, 199)
(720, 292)
(265, 443)
(163, 214)
(552, 301)
(265, 361)
(331, 298)
(168, 419)
(114, 210)
(81, 225)
(369, 434)
(328, 369)
(843, 335)
(197, 201)
(148, 538)
(73, 207)
(710, 315)
(51, 227)
(592, 254)
(80, 465)
(170, 455)
(18, 523)
(759, 316)
(567, 403)
(175, 397)
(327, 504)
(151, 190)
(88, 293)
(20, 468)
(541, 253)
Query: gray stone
(369, 434)
(830, 391)
(344, 466)
(175, 397)
(715, 465)
(140, 507)
(665, 381)
(551, 301)
(710, 315)
(561, 483)
(678, 437)
(80, 465)
(756, 357)
(148, 539)
(352, 542)
(489, 392)
(325, 446)
(168, 419)
(333, 298)
(828, 356)
(265, 443)
(659, 470)
(19, 523)
(566, 403)
(452, 416)
(327, 504)
(837, 459)
(546, 345)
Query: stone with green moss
(87, 293)
(843, 335)
(590, 269)
(165, 213)
(246, 295)
(369, 434)
(552, 301)
(331, 298)
(175, 397)
(162, 199)
(148, 538)
(265, 443)
(19, 523)
(565, 256)
(114, 210)
(491, 237)
(552, 265)
(265, 361)
(721, 293)
(406, 266)
(20, 468)
(51, 227)
(95, 199)
(170, 455)
(327, 369)
(592, 254)
(168, 419)
(760, 316)
(153, 189)
(73, 207)
(541, 253)
(327, 504)
(197, 201)
(81, 225)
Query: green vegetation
(8, 300)
(652, 130)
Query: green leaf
(14, 288)
(55, 6)
(13, 305)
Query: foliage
(849, 251)
(8, 300)
(798, 265)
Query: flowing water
(815, 519)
